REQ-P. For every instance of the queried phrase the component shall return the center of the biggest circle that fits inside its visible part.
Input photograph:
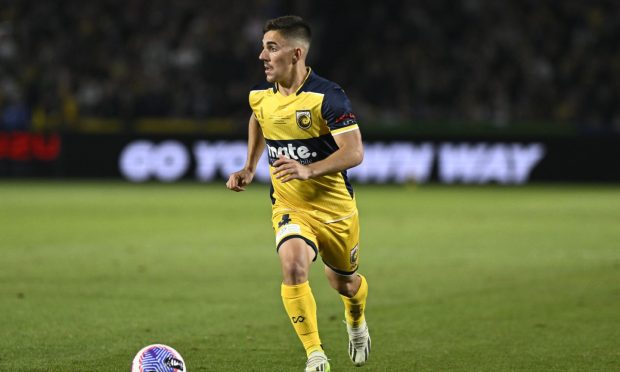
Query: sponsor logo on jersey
(293, 152)
(303, 118)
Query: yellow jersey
(302, 126)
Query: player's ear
(297, 55)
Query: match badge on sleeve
(304, 119)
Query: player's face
(277, 56)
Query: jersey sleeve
(337, 112)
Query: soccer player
(312, 138)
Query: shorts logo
(303, 118)
(286, 230)
(285, 220)
(354, 255)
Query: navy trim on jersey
(272, 193)
(313, 149)
(317, 84)
(308, 241)
(347, 183)
(305, 151)
(336, 108)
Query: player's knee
(294, 272)
(344, 287)
(347, 289)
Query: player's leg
(296, 256)
(353, 290)
(340, 254)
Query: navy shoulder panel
(317, 84)
(336, 108)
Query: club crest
(303, 118)
(354, 255)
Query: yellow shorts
(337, 242)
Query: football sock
(301, 309)
(354, 306)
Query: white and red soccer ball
(158, 358)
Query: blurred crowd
(504, 63)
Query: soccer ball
(158, 358)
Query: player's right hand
(238, 180)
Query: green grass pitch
(461, 278)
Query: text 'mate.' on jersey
(302, 127)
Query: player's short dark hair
(290, 26)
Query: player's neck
(295, 80)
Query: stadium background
(94, 94)
(78, 78)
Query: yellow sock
(301, 309)
(354, 306)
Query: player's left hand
(288, 169)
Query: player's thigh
(296, 256)
(294, 227)
(339, 245)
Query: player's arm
(349, 154)
(256, 144)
